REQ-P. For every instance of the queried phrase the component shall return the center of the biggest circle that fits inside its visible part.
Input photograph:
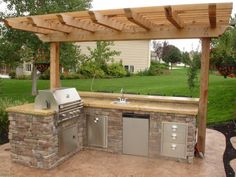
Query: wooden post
(54, 66)
(205, 59)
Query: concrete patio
(90, 163)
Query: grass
(222, 92)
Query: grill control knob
(63, 115)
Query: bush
(116, 70)
(90, 69)
(71, 76)
(12, 74)
(4, 122)
(23, 77)
(45, 75)
(155, 69)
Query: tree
(223, 52)
(171, 54)
(102, 54)
(192, 71)
(185, 58)
(157, 46)
(19, 39)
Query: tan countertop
(29, 109)
(177, 105)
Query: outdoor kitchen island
(165, 128)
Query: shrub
(45, 75)
(116, 70)
(4, 122)
(12, 74)
(155, 69)
(23, 77)
(71, 76)
(90, 69)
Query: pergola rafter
(138, 19)
(173, 17)
(70, 21)
(202, 21)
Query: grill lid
(47, 99)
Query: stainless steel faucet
(122, 98)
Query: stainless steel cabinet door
(97, 131)
(68, 140)
(135, 136)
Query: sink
(121, 101)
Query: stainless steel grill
(65, 101)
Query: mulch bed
(4, 138)
(229, 130)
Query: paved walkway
(101, 164)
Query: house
(24, 69)
(135, 55)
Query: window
(127, 67)
(28, 67)
(131, 68)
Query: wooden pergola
(203, 21)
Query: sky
(184, 45)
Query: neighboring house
(135, 55)
(24, 69)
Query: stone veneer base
(34, 138)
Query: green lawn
(222, 92)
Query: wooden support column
(54, 66)
(205, 59)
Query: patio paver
(233, 141)
(90, 163)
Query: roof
(160, 22)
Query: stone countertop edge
(29, 109)
(193, 112)
(167, 99)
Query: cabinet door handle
(173, 146)
(174, 128)
(174, 136)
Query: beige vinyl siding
(136, 53)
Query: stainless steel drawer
(174, 150)
(175, 127)
(174, 137)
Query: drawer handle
(174, 127)
(173, 146)
(174, 136)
